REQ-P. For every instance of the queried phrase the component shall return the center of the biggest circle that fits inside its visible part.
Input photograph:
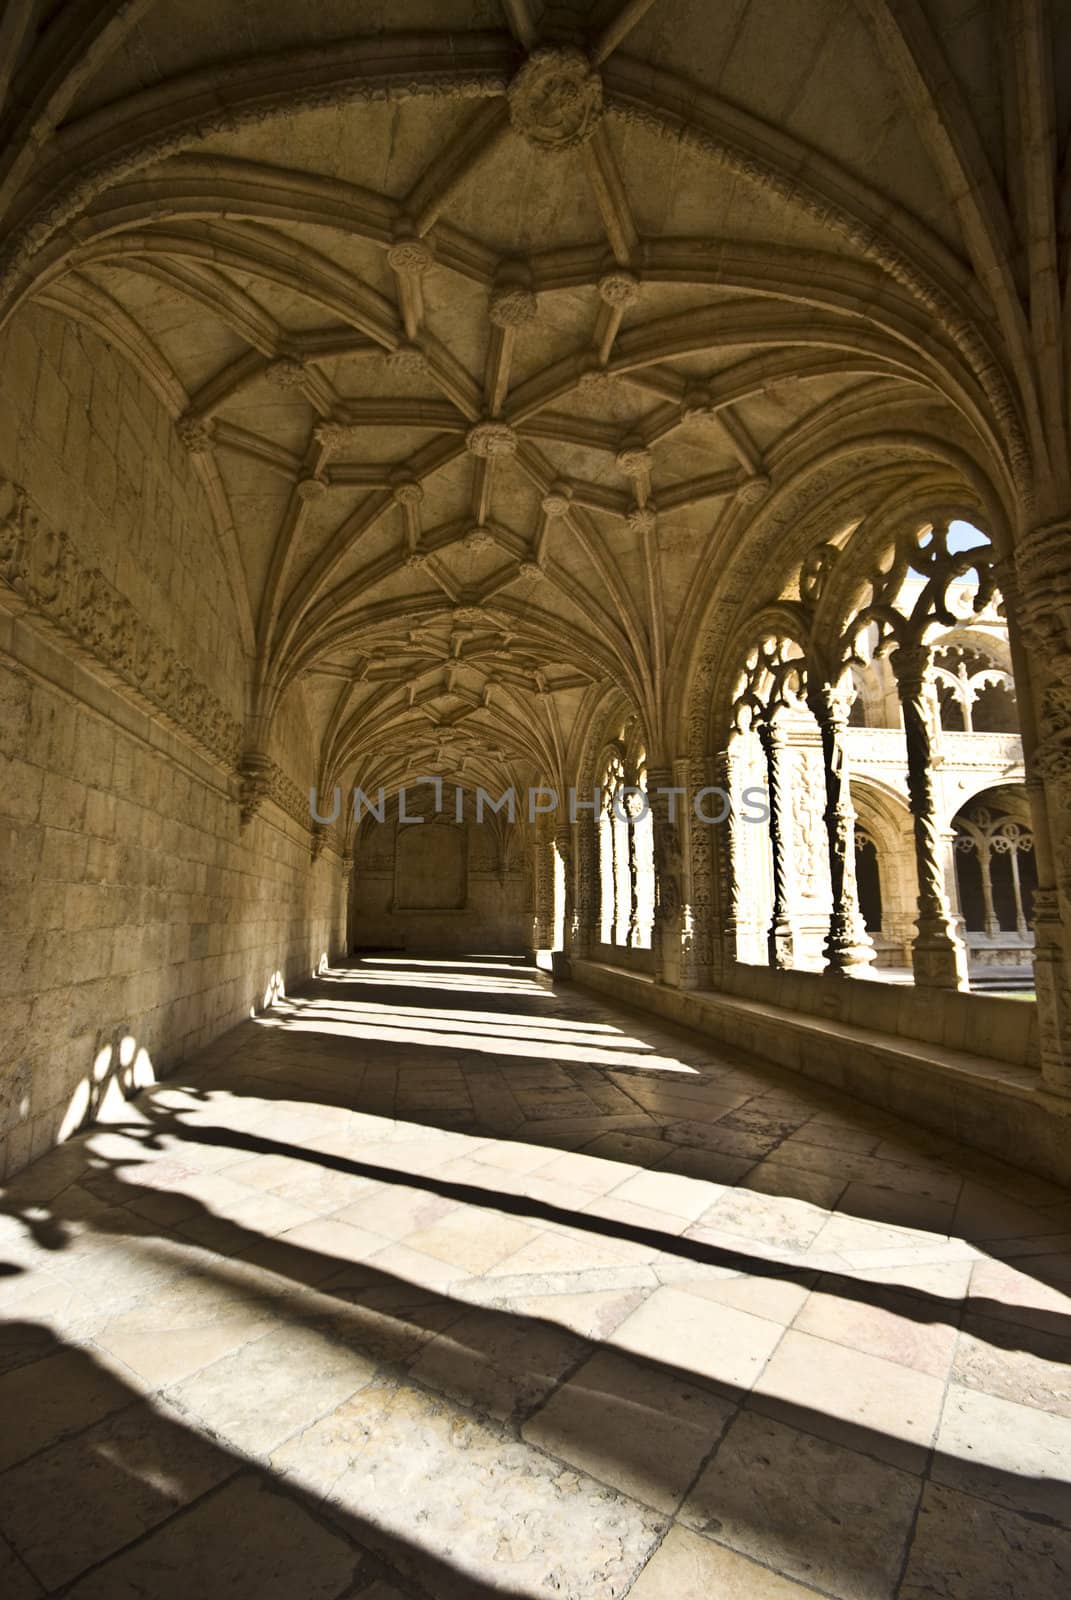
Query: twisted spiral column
(847, 946)
(938, 956)
(779, 937)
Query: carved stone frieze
(43, 571)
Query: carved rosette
(642, 519)
(332, 436)
(530, 571)
(634, 461)
(313, 487)
(478, 538)
(619, 288)
(598, 383)
(491, 439)
(410, 254)
(288, 372)
(512, 305)
(555, 99)
(417, 560)
(196, 433)
(556, 501)
(754, 490)
(407, 492)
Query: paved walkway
(436, 1281)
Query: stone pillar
(938, 957)
(564, 844)
(990, 922)
(725, 934)
(633, 935)
(779, 938)
(847, 947)
(668, 866)
(1037, 599)
(697, 911)
(586, 886)
(543, 885)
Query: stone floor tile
(1014, 1455)
(412, 1466)
(859, 1400)
(396, 1210)
(250, 1398)
(988, 1357)
(16, 1580)
(791, 1224)
(248, 1542)
(48, 1399)
(810, 1509)
(698, 1337)
(640, 1218)
(897, 1209)
(592, 1314)
(631, 1426)
(497, 1362)
(114, 1481)
(777, 1299)
(688, 1198)
(688, 1567)
(968, 1549)
(472, 1238)
(795, 1183)
(894, 1326)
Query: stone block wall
(139, 920)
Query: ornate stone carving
(408, 360)
(490, 438)
(44, 572)
(530, 571)
(254, 784)
(1043, 570)
(313, 487)
(332, 436)
(846, 944)
(512, 305)
(642, 519)
(556, 501)
(634, 460)
(417, 560)
(407, 492)
(938, 956)
(619, 288)
(753, 490)
(287, 372)
(410, 254)
(478, 538)
(196, 433)
(598, 383)
(555, 100)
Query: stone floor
(438, 1281)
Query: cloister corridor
(437, 1279)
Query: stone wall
(389, 911)
(139, 919)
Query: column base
(938, 960)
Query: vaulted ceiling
(497, 331)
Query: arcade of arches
(587, 484)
